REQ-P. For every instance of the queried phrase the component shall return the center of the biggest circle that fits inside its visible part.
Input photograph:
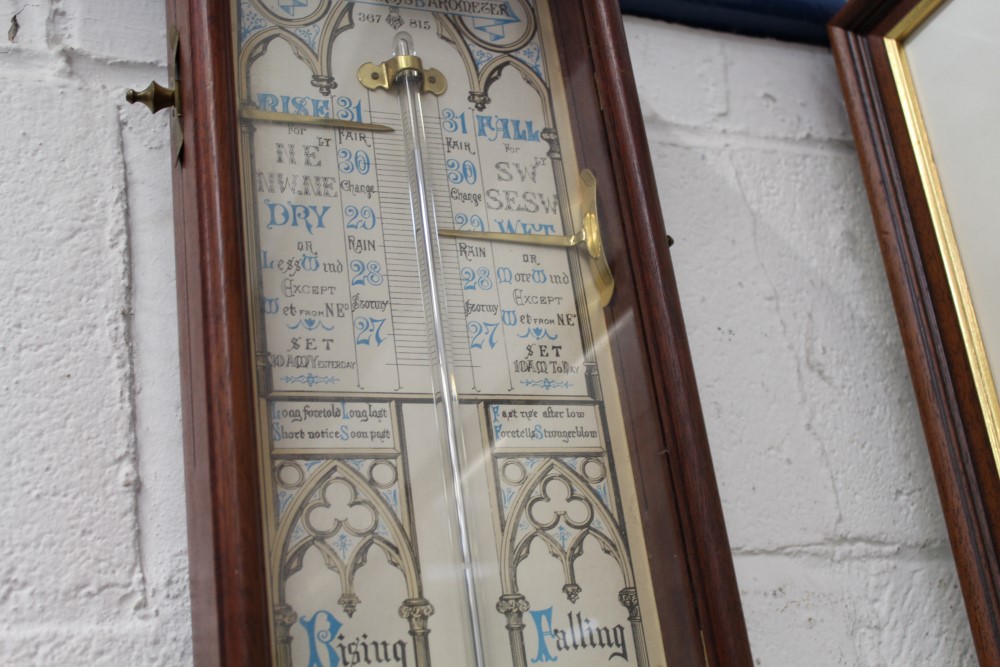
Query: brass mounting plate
(374, 76)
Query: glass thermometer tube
(409, 85)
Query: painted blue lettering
(322, 635)
(274, 221)
(267, 101)
(506, 226)
(543, 654)
(281, 215)
(493, 128)
(321, 108)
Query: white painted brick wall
(93, 556)
(838, 538)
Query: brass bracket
(592, 237)
(384, 75)
(157, 97)
(589, 236)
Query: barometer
(438, 402)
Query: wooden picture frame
(933, 301)
(690, 560)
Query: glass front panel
(445, 478)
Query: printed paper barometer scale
(444, 483)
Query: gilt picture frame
(924, 153)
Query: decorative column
(416, 611)
(630, 600)
(284, 618)
(513, 607)
(551, 137)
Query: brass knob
(155, 96)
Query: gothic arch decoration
(344, 508)
(341, 20)
(312, 45)
(492, 72)
(484, 67)
(312, 42)
(382, 526)
(448, 31)
(526, 518)
(256, 48)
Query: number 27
(483, 333)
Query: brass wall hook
(154, 96)
(157, 97)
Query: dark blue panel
(794, 20)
